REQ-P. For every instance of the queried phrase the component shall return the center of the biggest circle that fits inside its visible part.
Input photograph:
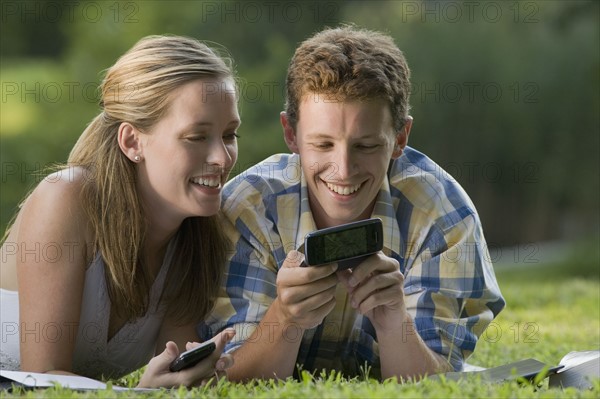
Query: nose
(344, 163)
(220, 155)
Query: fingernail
(334, 267)
(220, 365)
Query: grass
(553, 308)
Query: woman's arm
(51, 260)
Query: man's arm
(305, 296)
(406, 355)
(453, 297)
(376, 291)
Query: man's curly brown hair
(349, 64)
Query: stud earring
(136, 158)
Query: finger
(344, 276)
(163, 361)
(320, 313)
(290, 277)
(292, 274)
(391, 298)
(374, 284)
(191, 345)
(157, 373)
(295, 294)
(293, 259)
(221, 339)
(224, 362)
(310, 303)
(376, 263)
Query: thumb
(293, 259)
(167, 356)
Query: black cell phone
(193, 356)
(347, 244)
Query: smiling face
(345, 149)
(188, 154)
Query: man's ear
(129, 142)
(288, 133)
(401, 139)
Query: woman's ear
(401, 139)
(288, 133)
(129, 142)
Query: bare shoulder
(61, 190)
(54, 210)
(50, 224)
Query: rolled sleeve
(451, 290)
(249, 286)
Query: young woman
(116, 257)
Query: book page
(43, 380)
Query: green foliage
(505, 95)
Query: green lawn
(552, 309)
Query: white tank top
(94, 356)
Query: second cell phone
(193, 356)
(347, 244)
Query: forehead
(203, 95)
(319, 112)
(205, 90)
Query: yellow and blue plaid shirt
(430, 227)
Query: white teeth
(213, 182)
(343, 190)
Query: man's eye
(368, 146)
(322, 146)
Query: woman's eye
(231, 137)
(196, 138)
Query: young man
(415, 308)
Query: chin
(208, 210)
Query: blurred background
(505, 93)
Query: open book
(527, 368)
(576, 369)
(40, 380)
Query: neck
(157, 239)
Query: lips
(211, 181)
(343, 190)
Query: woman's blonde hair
(137, 89)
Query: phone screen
(341, 245)
(344, 242)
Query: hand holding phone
(191, 357)
(347, 244)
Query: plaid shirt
(430, 227)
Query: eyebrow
(321, 136)
(197, 124)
